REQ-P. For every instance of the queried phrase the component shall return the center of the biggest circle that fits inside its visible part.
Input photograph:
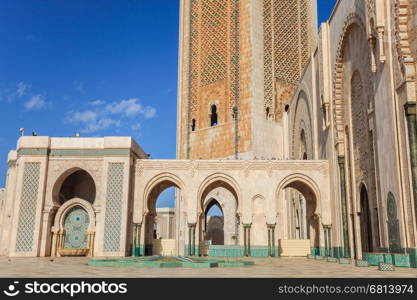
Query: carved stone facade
(360, 84)
(293, 134)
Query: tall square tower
(239, 64)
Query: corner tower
(239, 63)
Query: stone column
(54, 244)
(191, 239)
(341, 161)
(136, 239)
(246, 228)
(329, 239)
(244, 241)
(271, 239)
(410, 112)
(326, 252)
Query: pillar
(136, 239)
(271, 239)
(246, 228)
(191, 239)
(244, 241)
(327, 240)
(410, 112)
(341, 161)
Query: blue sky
(101, 68)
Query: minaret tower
(239, 63)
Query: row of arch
(165, 180)
(74, 220)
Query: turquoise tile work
(374, 259)
(187, 249)
(344, 261)
(259, 251)
(337, 252)
(361, 263)
(401, 260)
(388, 258)
(397, 259)
(413, 257)
(139, 251)
(226, 251)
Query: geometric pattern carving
(268, 55)
(287, 43)
(113, 218)
(338, 74)
(27, 210)
(213, 41)
(301, 130)
(393, 225)
(76, 225)
(360, 131)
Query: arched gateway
(251, 199)
(97, 197)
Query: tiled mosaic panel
(386, 267)
(361, 263)
(27, 210)
(76, 225)
(112, 223)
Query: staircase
(295, 247)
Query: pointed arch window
(213, 115)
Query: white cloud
(100, 124)
(135, 127)
(83, 117)
(149, 112)
(35, 102)
(96, 103)
(101, 115)
(22, 88)
(130, 108)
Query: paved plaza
(268, 267)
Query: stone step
(164, 247)
(295, 247)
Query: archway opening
(302, 221)
(214, 223)
(79, 184)
(365, 218)
(213, 115)
(218, 221)
(73, 194)
(161, 220)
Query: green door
(76, 225)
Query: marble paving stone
(264, 267)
